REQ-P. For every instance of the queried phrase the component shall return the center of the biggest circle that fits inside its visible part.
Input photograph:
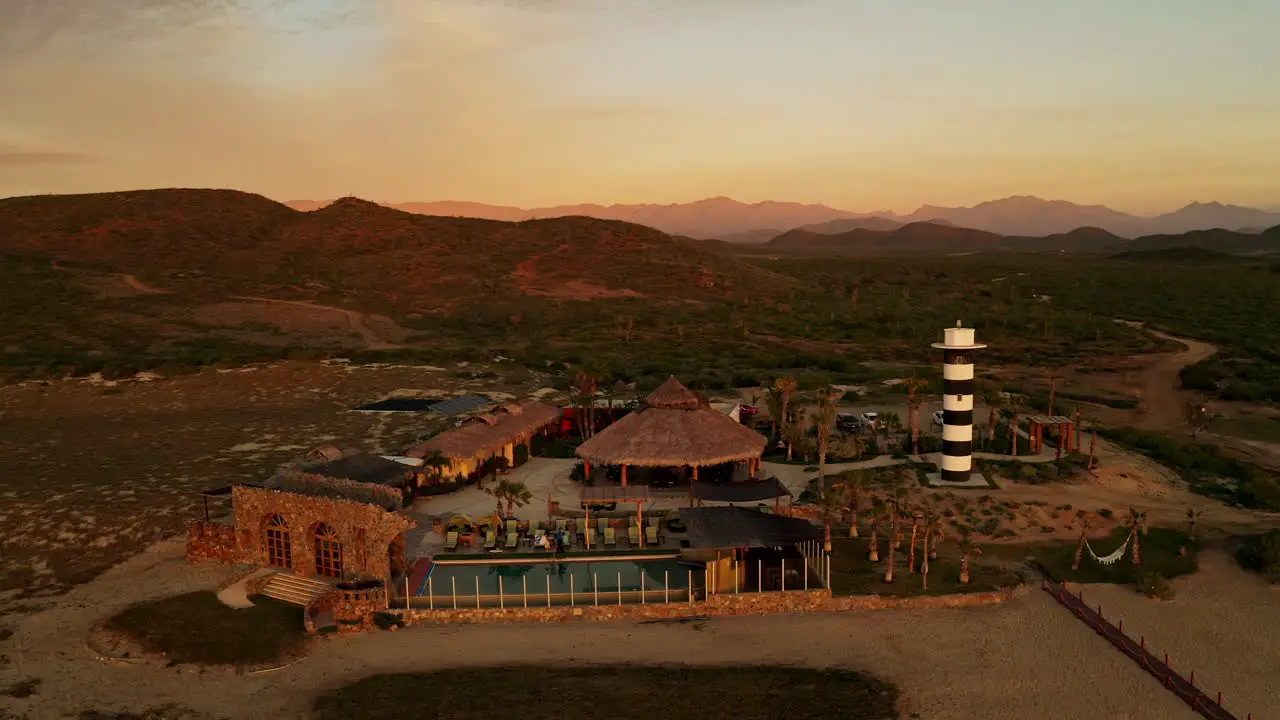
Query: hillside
(918, 238)
(146, 272)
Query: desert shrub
(386, 620)
(1048, 471)
(1261, 554)
(1155, 585)
(1106, 513)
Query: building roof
(740, 492)
(362, 467)
(674, 428)
(300, 482)
(488, 433)
(735, 527)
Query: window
(278, 542)
(328, 552)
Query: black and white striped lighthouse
(957, 403)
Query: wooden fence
(1184, 688)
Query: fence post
(502, 601)
(573, 602)
(784, 574)
(1122, 625)
(431, 593)
(666, 587)
(619, 587)
(1099, 611)
(1219, 698)
(453, 583)
(548, 589)
(1166, 659)
(690, 586)
(595, 588)
(524, 588)
(760, 575)
(828, 572)
(406, 594)
(1142, 642)
(642, 599)
(477, 592)
(1193, 678)
(737, 587)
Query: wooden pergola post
(624, 475)
(1063, 437)
(586, 471)
(639, 515)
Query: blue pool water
(603, 576)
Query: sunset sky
(1143, 105)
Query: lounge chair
(651, 535)
(589, 537)
(490, 540)
(601, 524)
(451, 540)
(610, 539)
(654, 521)
(535, 529)
(513, 539)
(513, 526)
(633, 534)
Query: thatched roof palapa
(674, 428)
(486, 434)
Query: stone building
(337, 515)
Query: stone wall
(368, 533)
(716, 606)
(209, 542)
(352, 609)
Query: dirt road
(357, 320)
(1163, 403)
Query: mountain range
(723, 218)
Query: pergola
(673, 428)
(638, 494)
(1035, 430)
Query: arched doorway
(328, 551)
(279, 545)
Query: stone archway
(277, 541)
(328, 551)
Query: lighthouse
(957, 403)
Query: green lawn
(1158, 550)
(197, 628)
(617, 693)
(853, 574)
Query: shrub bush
(1261, 554)
(1154, 585)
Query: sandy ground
(1030, 658)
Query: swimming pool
(558, 578)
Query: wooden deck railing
(1184, 688)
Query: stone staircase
(287, 587)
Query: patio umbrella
(459, 523)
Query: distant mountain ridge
(726, 219)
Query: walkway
(1137, 651)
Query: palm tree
(786, 386)
(911, 554)
(994, 401)
(899, 498)
(892, 505)
(913, 410)
(830, 503)
(854, 489)
(773, 403)
(433, 465)
(967, 548)
(933, 532)
(1193, 514)
(924, 566)
(1137, 524)
(1093, 442)
(1015, 407)
(825, 418)
(877, 514)
(512, 492)
(1084, 528)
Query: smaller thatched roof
(674, 428)
(486, 434)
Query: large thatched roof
(673, 428)
(486, 434)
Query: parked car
(847, 423)
(871, 420)
(937, 418)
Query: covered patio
(751, 551)
(673, 438)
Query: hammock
(1113, 557)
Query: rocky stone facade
(371, 538)
(717, 605)
(209, 542)
(351, 609)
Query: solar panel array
(461, 405)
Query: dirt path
(1163, 403)
(357, 320)
(133, 282)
